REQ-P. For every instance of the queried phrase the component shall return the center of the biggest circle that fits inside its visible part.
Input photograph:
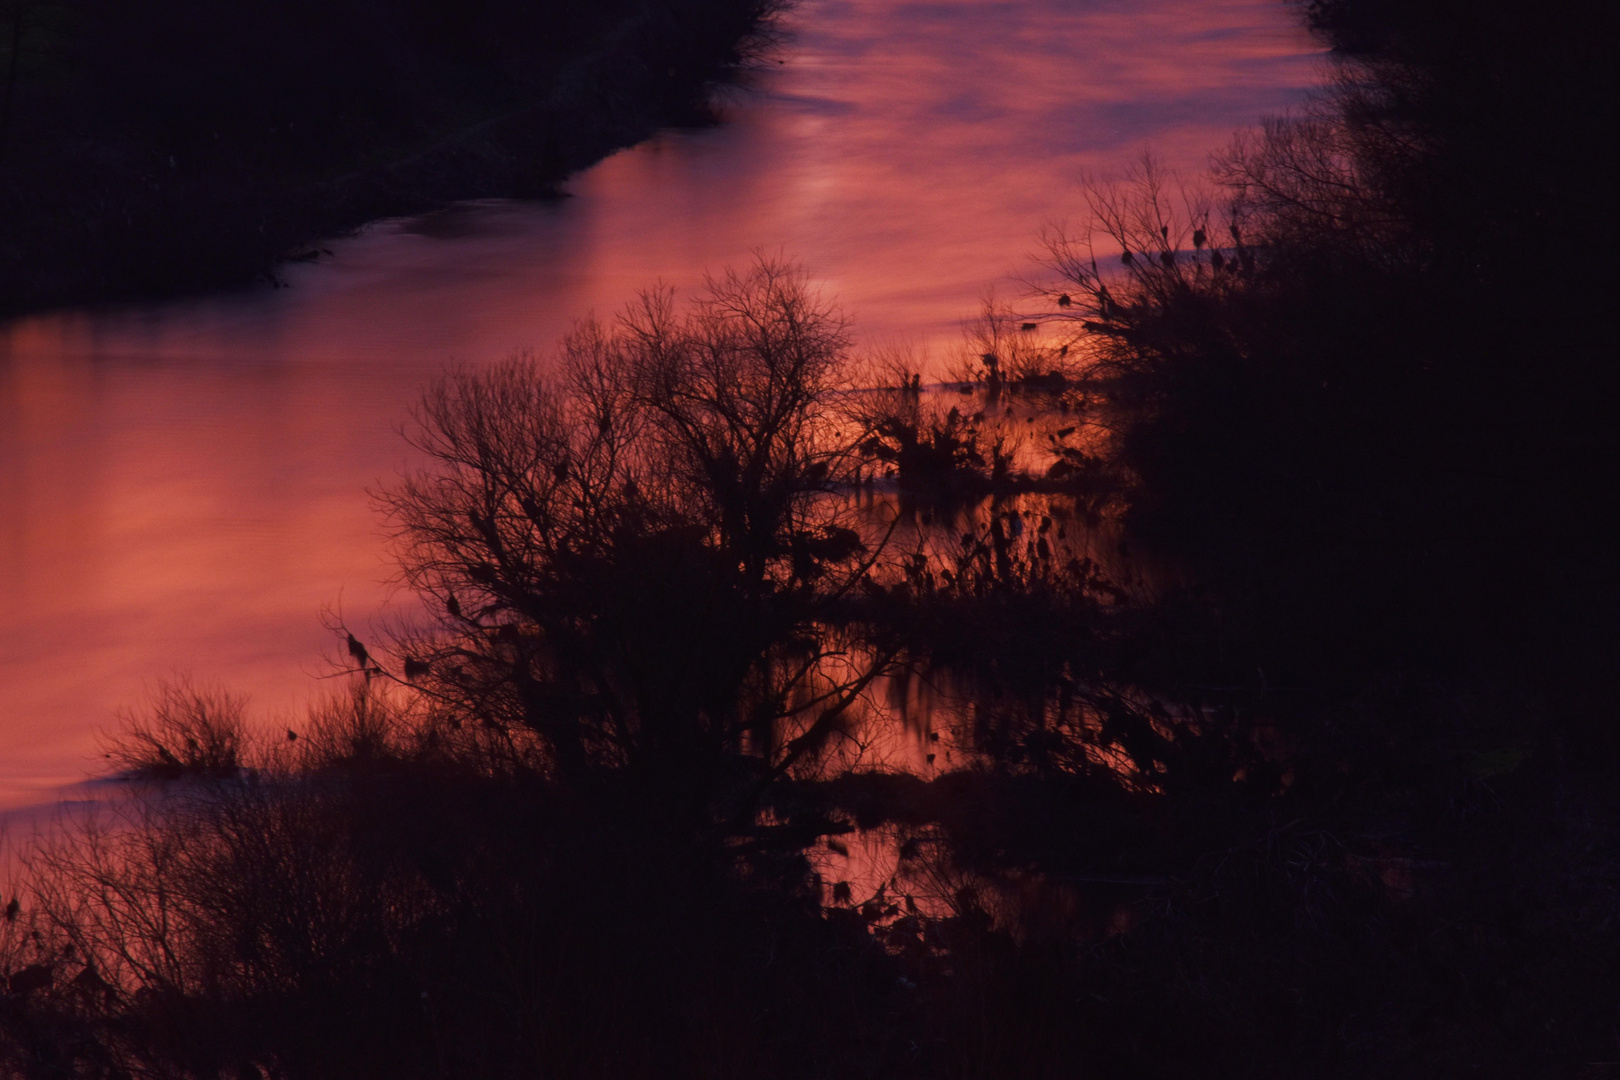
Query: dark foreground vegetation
(1329, 796)
(180, 145)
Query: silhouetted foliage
(630, 557)
(189, 731)
(367, 900)
(1348, 389)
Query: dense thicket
(180, 145)
(1363, 400)
(1375, 410)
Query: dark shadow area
(1365, 394)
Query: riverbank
(134, 165)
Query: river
(183, 486)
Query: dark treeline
(1331, 799)
(1392, 412)
(1362, 398)
(146, 149)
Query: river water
(183, 486)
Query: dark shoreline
(83, 222)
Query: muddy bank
(191, 150)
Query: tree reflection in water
(735, 650)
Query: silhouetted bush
(1355, 387)
(189, 731)
(367, 900)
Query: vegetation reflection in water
(715, 613)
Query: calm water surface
(183, 486)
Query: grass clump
(188, 730)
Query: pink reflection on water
(182, 486)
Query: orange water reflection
(182, 486)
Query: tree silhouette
(630, 553)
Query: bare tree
(630, 553)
